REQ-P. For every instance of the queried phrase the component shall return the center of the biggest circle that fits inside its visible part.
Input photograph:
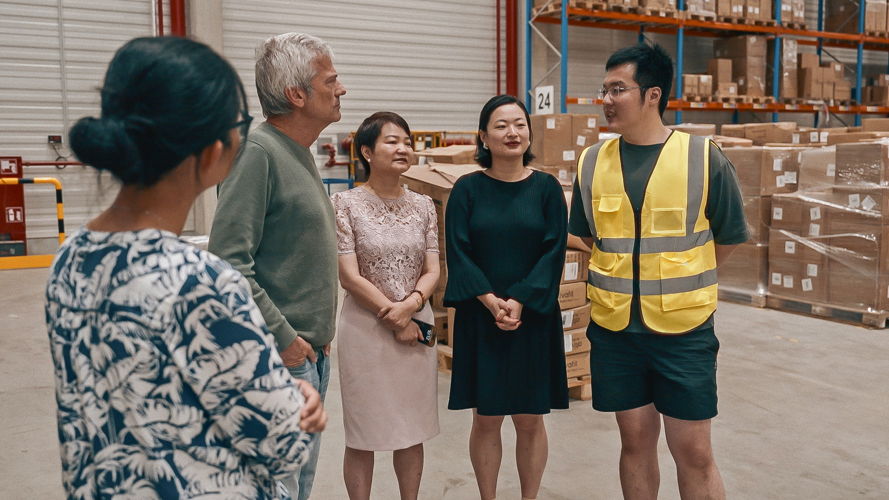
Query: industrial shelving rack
(682, 27)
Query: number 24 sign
(543, 100)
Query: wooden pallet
(878, 34)
(701, 16)
(580, 388)
(646, 11)
(746, 297)
(731, 19)
(795, 26)
(626, 9)
(727, 98)
(843, 314)
(762, 22)
(759, 99)
(445, 358)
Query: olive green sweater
(275, 224)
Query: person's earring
(484, 145)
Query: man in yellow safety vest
(660, 209)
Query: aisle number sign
(543, 100)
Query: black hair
(370, 130)
(654, 68)
(163, 100)
(482, 155)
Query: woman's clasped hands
(397, 317)
(507, 312)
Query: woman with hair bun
(167, 381)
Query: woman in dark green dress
(506, 229)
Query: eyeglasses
(243, 126)
(615, 92)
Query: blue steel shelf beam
(777, 62)
(530, 29)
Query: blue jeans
(317, 374)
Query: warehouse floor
(804, 415)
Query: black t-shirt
(724, 210)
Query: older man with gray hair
(274, 221)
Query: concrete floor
(804, 415)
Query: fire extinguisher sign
(8, 167)
(15, 215)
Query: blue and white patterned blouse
(167, 381)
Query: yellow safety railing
(34, 261)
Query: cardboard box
(689, 85)
(799, 11)
(842, 90)
(578, 365)
(702, 129)
(577, 264)
(757, 211)
(808, 60)
(578, 317)
(860, 201)
(762, 133)
(740, 47)
(726, 89)
(841, 16)
(584, 131)
(576, 341)
(720, 70)
(879, 96)
(746, 269)
(803, 215)
(809, 80)
(724, 8)
(863, 163)
(733, 130)
(572, 295)
(457, 154)
(818, 166)
(765, 171)
(798, 266)
(857, 274)
(564, 174)
(705, 85)
(553, 144)
(737, 8)
(731, 142)
(875, 124)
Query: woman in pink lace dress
(388, 259)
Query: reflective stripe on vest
(672, 301)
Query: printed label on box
(776, 278)
(568, 155)
(788, 281)
(794, 138)
(831, 170)
(855, 200)
(777, 164)
(824, 136)
(812, 270)
(813, 137)
(777, 213)
(806, 284)
(790, 177)
(868, 203)
(567, 319)
(563, 175)
(550, 123)
(815, 213)
(571, 271)
(568, 343)
(591, 123)
(581, 140)
(814, 229)
(780, 181)
(789, 247)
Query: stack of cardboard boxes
(788, 81)
(720, 71)
(646, 6)
(697, 86)
(877, 94)
(822, 81)
(793, 13)
(762, 173)
(748, 10)
(702, 9)
(748, 62)
(829, 241)
(841, 16)
(559, 140)
(575, 314)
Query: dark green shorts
(675, 372)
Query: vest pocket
(668, 221)
(609, 222)
(686, 300)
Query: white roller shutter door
(54, 56)
(433, 62)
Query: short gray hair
(285, 61)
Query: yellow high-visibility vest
(675, 264)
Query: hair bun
(106, 144)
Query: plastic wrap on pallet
(829, 242)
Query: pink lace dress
(389, 390)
